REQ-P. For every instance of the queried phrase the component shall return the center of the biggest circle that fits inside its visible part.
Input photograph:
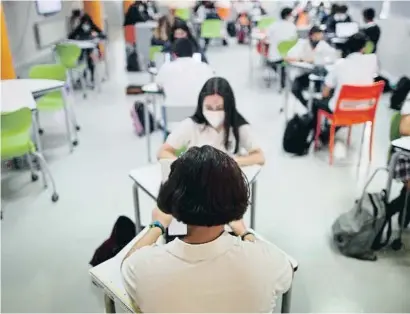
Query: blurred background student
(371, 29)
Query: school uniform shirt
(227, 275)
(356, 69)
(189, 134)
(372, 31)
(278, 32)
(182, 80)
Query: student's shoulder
(187, 125)
(264, 252)
(142, 258)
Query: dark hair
(233, 119)
(184, 26)
(285, 13)
(205, 187)
(343, 8)
(183, 48)
(356, 42)
(369, 14)
(76, 13)
(314, 30)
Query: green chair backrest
(153, 50)
(15, 133)
(180, 151)
(368, 49)
(265, 22)
(48, 71)
(183, 13)
(394, 130)
(69, 55)
(211, 28)
(285, 46)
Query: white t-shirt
(355, 69)
(227, 275)
(189, 134)
(278, 32)
(322, 54)
(182, 80)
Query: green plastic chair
(153, 50)
(54, 100)
(265, 22)
(211, 29)
(394, 131)
(69, 56)
(181, 151)
(183, 13)
(16, 142)
(368, 49)
(285, 46)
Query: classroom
(205, 156)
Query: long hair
(233, 119)
(162, 28)
(184, 26)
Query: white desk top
(13, 92)
(152, 88)
(153, 70)
(402, 143)
(147, 24)
(84, 44)
(108, 275)
(338, 40)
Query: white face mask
(214, 118)
(86, 27)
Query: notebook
(344, 30)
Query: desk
(83, 44)
(108, 277)
(149, 178)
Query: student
(139, 12)
(83, 28)
(371, 29)
(208, 270)
(355, 69)
(211, 13)
(340, 16)
(161, 33)
(183, 78)
(181, 30)
(280, 31)
(312, 50)
(216, 122)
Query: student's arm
(330, 82)
(94, 27)
(247, 141)
(405, 125)
(178, 139)
(238, 227)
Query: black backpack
(400, 93)
(133, 64)
(296, 139)
(231, 28)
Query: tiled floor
(46, 247)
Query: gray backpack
(355, 232)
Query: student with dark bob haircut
(216, 122)
(208, 270)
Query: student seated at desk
(312, 50)
(139, 12)
(211, 13)
(83, 28)
(181, 30)
(161, 33)
(371, 29)
(356, 69)
(340, 16)
(183, 78)
(280, 31)
(208, 270)
(216, 122)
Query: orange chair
(355, 105)
(129, 34)
(223, 13)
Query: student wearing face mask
(340, 16)
(312, 50)
(217, 123)
(83, 28)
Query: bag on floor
(231, 29)
(297, 137)
(133, 64)
(387, 87)
(138, 118)
(400, 93)
(122, 234)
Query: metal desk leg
(253, 205)
(311, 94)
(36, 131)
(286, 92)
(286, 300)
(147, 129)
(135, 192)
(109, 304)
(69, 112)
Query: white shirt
(278, 32)
(189, 134)
(322, 53)
(355, 69)
(227, 275)
(182, 80)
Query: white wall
(20, 18)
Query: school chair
(69, 56)
(183, 13)
(211, 29)
(394, 131)
(265, 22)
(153, 50)
(355, 105)
(369, 48)
(16, 142)
(283, 49)
(55, 100)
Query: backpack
(138, 119)
(133, 64)
(387, 87)
(296, 138)
(122, 234)
(231, 29)
(400, 93)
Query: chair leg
(37, 116)
(83, 85)
(34, 176)
(318, 129)
(67, 125)
(46, 170)
(371, 143)
(331, 143)
(349, 136)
